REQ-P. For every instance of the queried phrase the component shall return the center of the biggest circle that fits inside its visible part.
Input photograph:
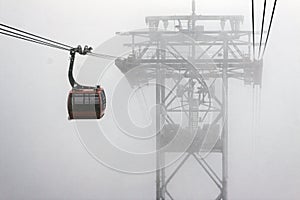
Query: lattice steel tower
(191, 58)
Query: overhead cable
(253, 28)
(270, 25)
(36, 36)
(33, 40)
(262, 28)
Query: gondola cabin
(86, 103)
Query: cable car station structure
(191, 61)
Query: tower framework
(191, 64)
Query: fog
(41, 154)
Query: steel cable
(36, 36)
(253, 28)
(262, 28)
(270, 25)
(34, 41)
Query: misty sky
(41, 156)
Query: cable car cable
(104, 56)
(47, 42)
(270, 25)
(253, 29)
(34, 41)
(262, 28)
(34, 35)
(30, 39)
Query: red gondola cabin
(86, 103)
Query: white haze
(40, 154)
